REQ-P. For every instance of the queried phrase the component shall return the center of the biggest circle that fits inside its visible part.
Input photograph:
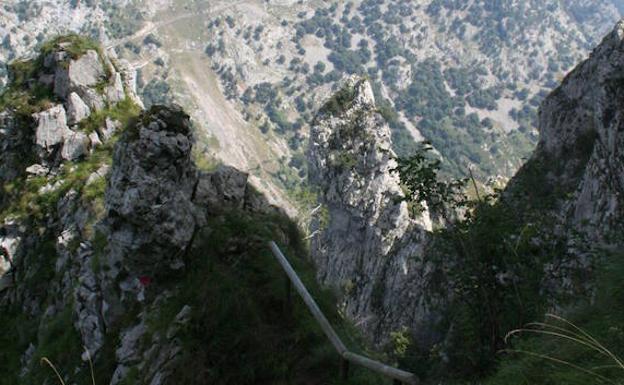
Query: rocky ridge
(87, 231)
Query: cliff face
(578, 164)
(367, 246)
(376, 255)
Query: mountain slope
(460, 74)
(113, 240)
(578, 156)
(456, 292)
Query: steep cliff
(366, 245)
(577, 170)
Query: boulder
(51, 128)
(76, 145)
(224, 188)
(37, 170)
(109, 129)
(94, 138)
(92, 98)
(84, 72)
(76, 109)
(98, 174)
(115, 91)
(150, 190)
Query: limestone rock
(128, 353)
(15, 142)
(363, 245)
(93, 99)
(100, 173)
(10, 240)
(51, 128)
(151, 185)
(37, 169)
(76, 145)
(115, 91)
(77, 110)
(109, 129)
(94, 139)
(580, 147)
(224, 188)
(87, 299)
(84, 72)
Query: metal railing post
(399, 376)
(288, 287)
(344, 369)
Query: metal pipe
(398, 375)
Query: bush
(339, 102)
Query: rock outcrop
(105, 241)
(149, 198)
(578, 166)
(369, 246)
(82, 83)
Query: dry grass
(563, 329)
(46, 361)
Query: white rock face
(51, 128)
(77, 110)
(84, 72)
(52, 131)
(109, 128)
(370, 248)
(115, 91)
(76, 145)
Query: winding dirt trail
(151, 26)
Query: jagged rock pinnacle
(351, 161)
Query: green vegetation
(246, 332)
(419, 177)
(34, 201)
(126, 111)
(339, 102)
(36, 197)
(124, 19)
(539, 358)
(75, 46)
(430, 94)
(491, 267)
(23, 96)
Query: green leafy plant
(419, 175)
